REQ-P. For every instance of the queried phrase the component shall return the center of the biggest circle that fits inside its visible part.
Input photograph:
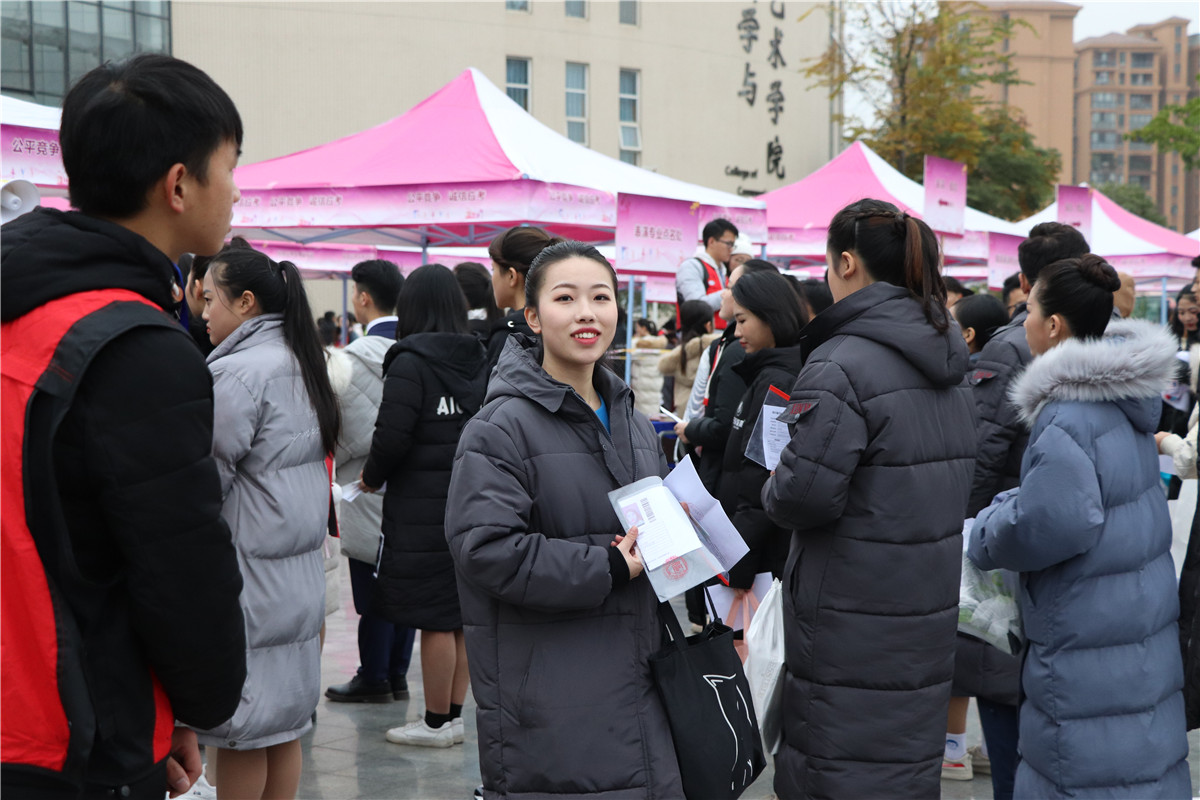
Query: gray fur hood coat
(1089, 531)
(267, 445)
(558, 648)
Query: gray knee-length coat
(267, 445)
(874, 484)
(558, 656)
(1089, 531)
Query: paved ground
(346, 755)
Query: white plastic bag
(764, 666)
(987, 604)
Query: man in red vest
(119, 586)
(702, 277)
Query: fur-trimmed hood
(1134, 361)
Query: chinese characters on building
(747, 29)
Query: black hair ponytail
(894, 248)
(279, 290)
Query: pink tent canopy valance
(462, 165)
(29, 142)
(1130, 243)
(798, 215)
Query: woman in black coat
(512, 252)
(435, 379)
(769, 316)
(874, 484)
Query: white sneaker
(421, 735)
(456, 725)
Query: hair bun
(1097, 271)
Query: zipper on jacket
(607, 433)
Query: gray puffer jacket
(874, 484)
(1089, 531)
(1002, 437)
(360, 523)
(559, 656)
(267, 445)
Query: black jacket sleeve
(143, 499)
(999, 426)
(399, 413)
(712, 429)
(743, 494)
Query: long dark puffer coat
(434, 383)
(742, 478)
(710, 432)
(874, 483)
(559, 657)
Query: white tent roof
(29, 115)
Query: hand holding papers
(679, 549)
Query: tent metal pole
(629, 329)
(1162, 307)
(345, 332)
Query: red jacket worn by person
(120, 583)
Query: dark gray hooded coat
(559, 657)
(874, 485)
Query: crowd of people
(181, 436)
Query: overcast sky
(1099, 17)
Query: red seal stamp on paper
(675, 569)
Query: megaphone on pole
(16, 198)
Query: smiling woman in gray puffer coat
(1089, 531)
(874, 484)
(559, 622)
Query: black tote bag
(707, 700)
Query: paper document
(663, 410)
(770, 436)
(1166, 465)
(664, 530)
(717, 533)
(353, 490)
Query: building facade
(1043, 56)
(705, 92)
(1122, 81)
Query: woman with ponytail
(1089, 532)
(873, 484)
(512, 253)
(275, 420)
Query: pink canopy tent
(1132, 244)
(462, 165)
(798, 214)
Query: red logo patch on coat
(795, 410)
(979, 376)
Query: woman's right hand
(627, 544)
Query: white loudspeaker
(16, 198)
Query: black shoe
(360, 691)
(400, 688)
(478, 795)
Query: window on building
(1141, 79)
(1105, 140)
(1122, 58)
(1174, 210)
(576, 8)
(1105, 169)
(1122, 79)
(1139, 121)
(628, 11)
(1103, 58)
(577, 126)
(47, 45)
(1178, 31)
(1140, 163)
(1174, 169)
(1104, 120)
(1105, 99)
(1177, 72)
(630, 116)
(1141, 101)
(1103, 78)
(1141, 61)
(517, 81)
(1140, 180)
(1175, 190)
(1137, 145)
(1177, 50)
(517, 5)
